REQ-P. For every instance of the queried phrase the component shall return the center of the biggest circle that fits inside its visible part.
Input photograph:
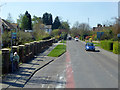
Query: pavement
(19, 78)
(51, 77)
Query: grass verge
(58, 51)
(0, 52)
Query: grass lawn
(97, 44)
(57, 51)
(63, 41)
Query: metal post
(1, 32)
(11, 54)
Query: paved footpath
(19, 78)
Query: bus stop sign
(14, 35)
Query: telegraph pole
(1, 29)
(88, 23)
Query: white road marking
(43, 85)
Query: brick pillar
(32, 49)
(15, 49)
(26, 52)
(42, 46)
(30, 54)
(5, 61)
(46, 44)
(35, 47)
(21, 53)
(38, 47)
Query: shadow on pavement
(27, 68)
(14, 84)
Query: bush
(6, 39)
(115, 39)
(23, 37)
(107, 45)
(55, 32)
(40, 34)
(116, 47)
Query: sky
(97, 12)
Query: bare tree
(9, 18)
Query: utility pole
(1, 28)
(88, 23)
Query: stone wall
(26, 53)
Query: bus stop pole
(11, 54)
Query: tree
(55, 32)
(38, 33)
(81, 29)
(29, 20)
(19, 21)
(56, 23)
(76, 25)
(64, 25)
(26, 23)
(10, 19)
(36, 20)
(47, 19)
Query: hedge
(116, 47)
(107, 45)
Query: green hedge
(107, 45)
(116, 47)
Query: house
(28, 30)
(98, 28)
(16, 26)
(7, 26)
(48, 28)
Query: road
(78, 68)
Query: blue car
(89, 46)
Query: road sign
(98, 35)
(14, 35)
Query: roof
(15, 25)
(7, 24)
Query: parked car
(76, 39)
(69, 38)
(89, 46)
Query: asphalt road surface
(78, 68)
(92, 69)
